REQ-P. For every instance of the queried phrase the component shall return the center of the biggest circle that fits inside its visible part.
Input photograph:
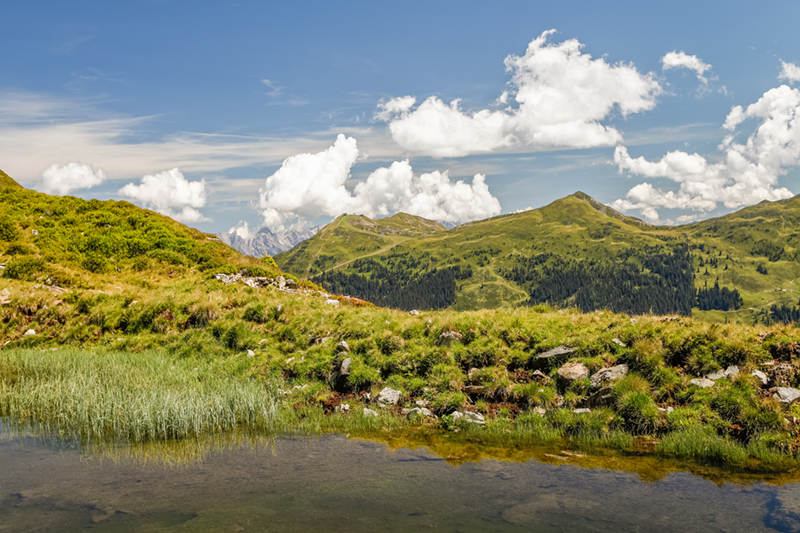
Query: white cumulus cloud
(63, 179)
(242, 230)
(684, 60)
(171, 194)
(310, 185)
(789, 71)
(559, 97)
(743, 174)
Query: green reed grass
(133, 396)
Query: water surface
(332, 483)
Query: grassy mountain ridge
(751, 251)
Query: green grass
(132, 396)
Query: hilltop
(558, 254)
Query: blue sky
(101, 99)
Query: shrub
(269, 262)
(17, 248)
(24, 268)
(255, 313)
(639, 411)
(169, 257)
(8, 229)
(95, 262)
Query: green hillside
(560, 253)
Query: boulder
(701, 382)
(608, 375)
(761, 377)
(420, 412)
(447, 337)
(280, 281)
(732, 371)
(572, 371)
(342, 374)
(370, 412)
(388, 396)
(558, 351)
(785, 395)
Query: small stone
(731, 371)
(474, 418)
(388, 396)
(447, 337)
(540, 376)
(701, 382)
(573, 371)
(29, 333)
(558, 351)
(343, 346)
(251, 353)
(420, 412)
(413, 312)
(332, 302)
(716, 375)
(421, 403)
(541, 411)
(342, 408)
(785, 395)
(618, 342)
(262, 341)
(581, 411)
(762, 377)
(608, 375)
(281, 281)
(370, 412)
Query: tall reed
(134, 396)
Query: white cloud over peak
(171, 194)
(743, 174)
(63, 179)
(310, 185)
(683, 60)
(242, 230)
(560, 97)
(789, 71)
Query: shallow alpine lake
(335, 483)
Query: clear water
(332, 483)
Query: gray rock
(608, 375)
(29, 333)
(447, 337)
(572, 371)
(785, 395)
(762, 377)
(581, 411)
(281, 281)
(332, 302)
(602, 398)
(469, 416)
(388, 396)
(540, 376)
(618, 342)
(342, 408)
(343, 346)
(715, 376)
(370, 412)
(732, 371)
(251, 353)
(422, 412)
(541, 411)
(413, 312)
(290, 283)
(558, 351)
(342, 374)
(701, 382)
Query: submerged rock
(388, 396)
(608, 375)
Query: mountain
(574, 251)
(265, 242)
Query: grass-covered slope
(558, 252)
